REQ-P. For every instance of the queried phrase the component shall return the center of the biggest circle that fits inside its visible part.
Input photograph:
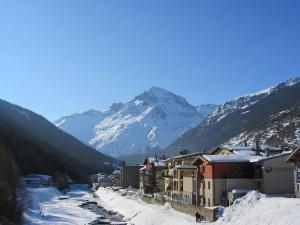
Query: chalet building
(105, 181)
(174, 176)
(152, 165)
(219, 175)
(102, 180)
(129, 176)
(295, 159)
(37, 180)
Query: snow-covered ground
(140, 213)
(253, 209)
(46, 208)
(258, 209)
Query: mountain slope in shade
(274, 113)
(150, 121)
(33, 126)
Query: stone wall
(208, 214)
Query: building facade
(295, 159)
(152, 166)
(129, 176)
(174, 176)
(219, 175)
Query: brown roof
(295, 155)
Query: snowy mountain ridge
(244, 101)
(274, 113)
(152, 120)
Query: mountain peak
(159, 95)
(158, 90)
(152, 120)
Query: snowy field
(253, 209)
(47, 208)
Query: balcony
(167, 176)
(236, 174)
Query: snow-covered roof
(117, 172)
(241, 191)
(143, 168)
(285, 153)
(187, 166)
(160, 164)
(152, 159)
(186, 156)
(41, 176)
(294, 153)
(157, 162)
(242, 158)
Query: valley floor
(49, 206)
(253, 209)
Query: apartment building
(174, 175)
(220, 174)
(129, 176)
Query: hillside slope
(274, 113)
(33, 126)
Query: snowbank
(258, 209)
(252, 209)
(46, 208)
(141, 213)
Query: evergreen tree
(151, 185)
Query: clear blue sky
(58, 57)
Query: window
(208, 200)
(298, 175)
(208, 185)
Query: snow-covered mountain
(152, 120)
(274, 113)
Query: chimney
(256, 144)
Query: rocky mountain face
(49, 141)
(151, 121)
(273, 113)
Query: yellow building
(174, 174)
